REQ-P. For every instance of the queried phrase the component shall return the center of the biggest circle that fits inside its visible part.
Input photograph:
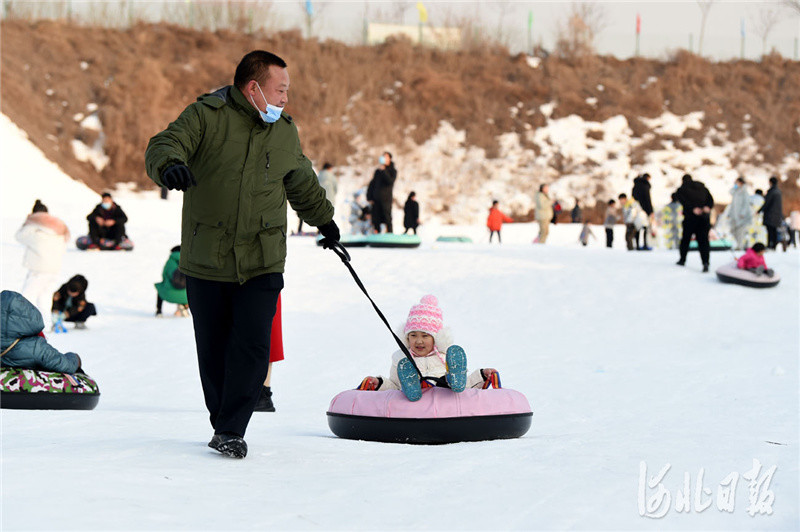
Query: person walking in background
(380, 192)
(740, 212)
(610, 220)
(172, 287)
(411, 213)
(586, 232)
(237, 156)
(576, 214)
(632, 215)
(556, 212)
(641, 193)
(544, 213)
(670, 220)
(697, 203)
(773, 212)
(327, 180)
(45, 239)
(106, 224)
(794, 227)
(495, 221)
(265, 403)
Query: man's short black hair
(623, 195)
(255, 65)
(105, 195)
(773, 181)
(612, 201)
(327, 166)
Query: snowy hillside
(628, 361)
(598, 161)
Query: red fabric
(276, 336)
(496, 218)
(41, 333)
(750, 259)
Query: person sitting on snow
(753, 260)
(69, 304)
(106, 224)
(172, 287)
(21, 341)
(437, 358)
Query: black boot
(229, 444)
(705, 268)
(264, 403)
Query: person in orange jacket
(495, 221)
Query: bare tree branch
(793, 4)
(764, 24)
(576, 36)
(705, 7)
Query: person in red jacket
(265, 403)
(495, 221)
(753, 260)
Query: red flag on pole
(638, 24)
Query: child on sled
(441, 363)
(753, 261)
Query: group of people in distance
(374, 215)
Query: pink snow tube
(441, 416)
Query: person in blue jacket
(22, 346)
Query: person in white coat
(740, 212)
(45, 239)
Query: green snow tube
(721, 244)
(383, 240)
(464, 239)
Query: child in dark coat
(411, 213)
(69, 303)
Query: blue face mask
(381, 160)
(273, 112)
(106, 206)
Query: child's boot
(409, 379)
(456, 360)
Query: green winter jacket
(166, 290)
(234, 220)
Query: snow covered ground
(628, 361)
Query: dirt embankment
(141, 78)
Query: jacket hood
(18, 318)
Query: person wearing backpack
(172, 287)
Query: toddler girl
(753, 260)
(439, 361)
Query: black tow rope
(338, 248)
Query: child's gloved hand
(370, 383)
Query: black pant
(630, 233)
(412, 229)
(79, 317)
(382, 214)
(609, 237)
(698, 226)
(498, 236)
(772, 236)
(116, 232)
(232, 325)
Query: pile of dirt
(141, 78)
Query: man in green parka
(237, 156)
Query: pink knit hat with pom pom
(425, 317)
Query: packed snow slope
(628, 361)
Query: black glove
(178, 177)
(330, 233)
